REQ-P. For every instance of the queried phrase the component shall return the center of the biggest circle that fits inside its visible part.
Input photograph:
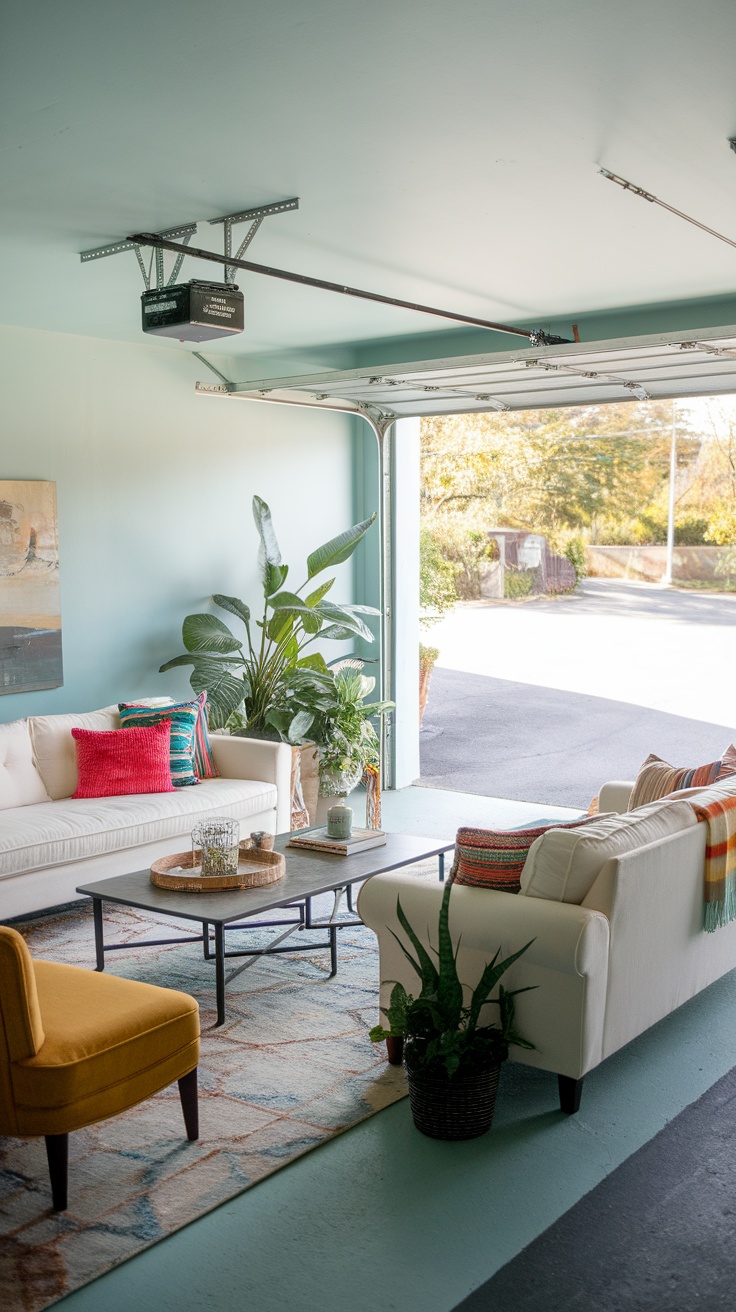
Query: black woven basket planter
(457, 1107)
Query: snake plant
(442, 1031)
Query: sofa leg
(57, 1153)
(570, 1092)
(189, 1103)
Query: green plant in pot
(348, 740)
(452, 1061)
(252, 683)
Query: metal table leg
(99, 933)
(441, 862)
(333, 950)
(220, 971)
(206, 940)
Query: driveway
(544, 700)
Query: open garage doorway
(392, 400)
(578, 603)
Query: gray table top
(307, 875)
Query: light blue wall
(154, 487)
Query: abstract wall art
(30, 607)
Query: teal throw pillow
(184, 717)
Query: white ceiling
(446, 153)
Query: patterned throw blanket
(720, 862)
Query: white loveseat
(615, 911)
(50, 842)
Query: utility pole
(667, 579)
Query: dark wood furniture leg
(57, 1153)
(190, 1103)
(570, 1092)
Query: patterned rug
(292, 1066)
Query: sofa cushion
(494, 858)
(54, 749)
(657, 778)
(563, 864)
(20, 782)
(183, 718)
(56, 833)
(725, 787)
(117, 764)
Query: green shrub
(464, 548)
(722, 524)
(518, 583)
(691, 531)
(576, 554)
(437, 592)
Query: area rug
(656, 1235)
(291, 1067)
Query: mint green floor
(384, 1218)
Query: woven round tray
(256, 868)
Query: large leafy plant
(442, 1031)
(270, 682)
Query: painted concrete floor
(383, 1218)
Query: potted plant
(348, 741)
(272, 685)
(249, 684)
(452, 1062)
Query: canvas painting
(30, 607)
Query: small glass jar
(215, 846)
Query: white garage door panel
(666, 365)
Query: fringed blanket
(720, 862)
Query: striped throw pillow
(183, 717)
(657, 778)
(494, 858)
(204, 761)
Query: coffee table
(308, 874)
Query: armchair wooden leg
(57, 1152)
(189, 1103)
(570, 1093)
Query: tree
(555, 471)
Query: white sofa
(615, 911)
(50, 842)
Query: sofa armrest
(660, 955)
(255, 758)
(615, 796)
(567, 962)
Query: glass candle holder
(217, 840)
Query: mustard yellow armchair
(77, 1047)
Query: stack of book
(317, 840)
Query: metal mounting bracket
(185, 232)
(255, 217)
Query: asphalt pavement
(601, 679)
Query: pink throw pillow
(117, 762)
